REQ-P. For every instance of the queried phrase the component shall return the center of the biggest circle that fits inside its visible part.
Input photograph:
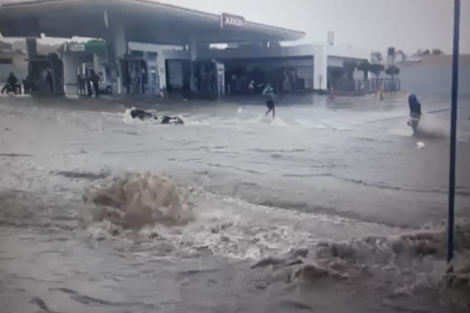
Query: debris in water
(138, 200)
(420, 145)
(80, 174)
(241, 111)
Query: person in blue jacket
(415, 105)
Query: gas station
(146, 47)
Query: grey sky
(368, 24)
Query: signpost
(229, 21)
(76, 47)
(453, 136)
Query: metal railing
(367, 85)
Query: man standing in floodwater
(269, 92)
(415, 111)
(415, 106)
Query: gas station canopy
(144, 21)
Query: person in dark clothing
(28, 85)
(88, 84)
(173, 120)
(11, 85)
(142, 115)
(81, 84)
(50, 80)
(144, 77)
(186, 91)
(415, 111)
(415, 105)
(95, 80)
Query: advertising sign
(75, 47)
(229, 21)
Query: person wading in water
(269, 93)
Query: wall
(20, 71)
(434, 80)
(347, 52)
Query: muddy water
(259, 190)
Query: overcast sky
(369, 24)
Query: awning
(144, 21)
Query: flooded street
(311, 212)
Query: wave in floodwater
(406, 265)
(138, 200)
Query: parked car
(106, 88)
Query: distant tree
(376, 69)
(426, 52)
(392, 71)
(349, 68)
(437, 52)
(376, 56)
(391, 51)
(364, 66)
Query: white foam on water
(241, 111)
(310, 124)
(433, 128)
(127, 117)
(420, 145)
(265, 119)
(278, 121)
(222, 225)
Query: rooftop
(145, 21)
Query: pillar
(116, 48)
(32, 52)
(193, 58)
(96, 63)
(320, 68)
(161, 70)
(70, 73)
(31, 48)
(119, 40)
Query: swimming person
(269, 92)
